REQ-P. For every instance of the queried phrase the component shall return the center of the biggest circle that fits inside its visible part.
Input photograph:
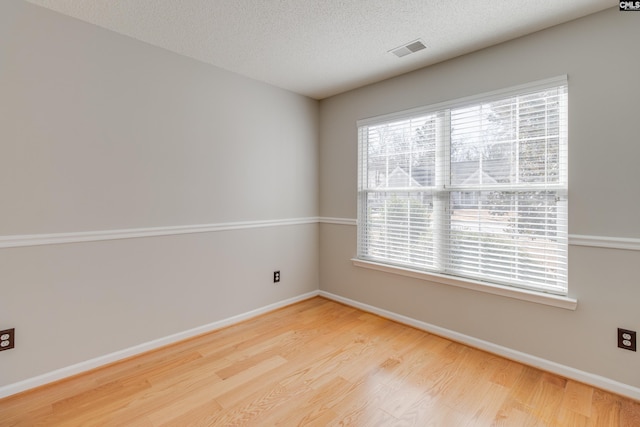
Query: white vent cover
(408, 48)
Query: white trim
(623, 243)
(93, 236)
(527, 359)
(490, 288)
(337, 221)
(15, 241)
(559, 369)
(99, 361)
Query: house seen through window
(474, 188)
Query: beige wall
(102, 132)
(597, 54)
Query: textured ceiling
(320, 48)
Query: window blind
(474, 188)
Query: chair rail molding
(131, 233)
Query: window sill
(521, 294)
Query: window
(474, 188)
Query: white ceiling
(320, 48)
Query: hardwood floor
(318, 363)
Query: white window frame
(559, 299)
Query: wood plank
(321, 363)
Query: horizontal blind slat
(475, 190)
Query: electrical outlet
(627, 339)
(276, 276)
(7, 339)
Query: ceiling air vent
(408, 48)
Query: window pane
(508, 237)
(510, 141)
(482, 144)
(477, 191)
(402, 154)
(399, 228)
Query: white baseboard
(527, 359)
(97, 362)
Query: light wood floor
(318, 363)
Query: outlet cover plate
(7, 339)
(627, 339)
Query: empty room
(304, 212)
